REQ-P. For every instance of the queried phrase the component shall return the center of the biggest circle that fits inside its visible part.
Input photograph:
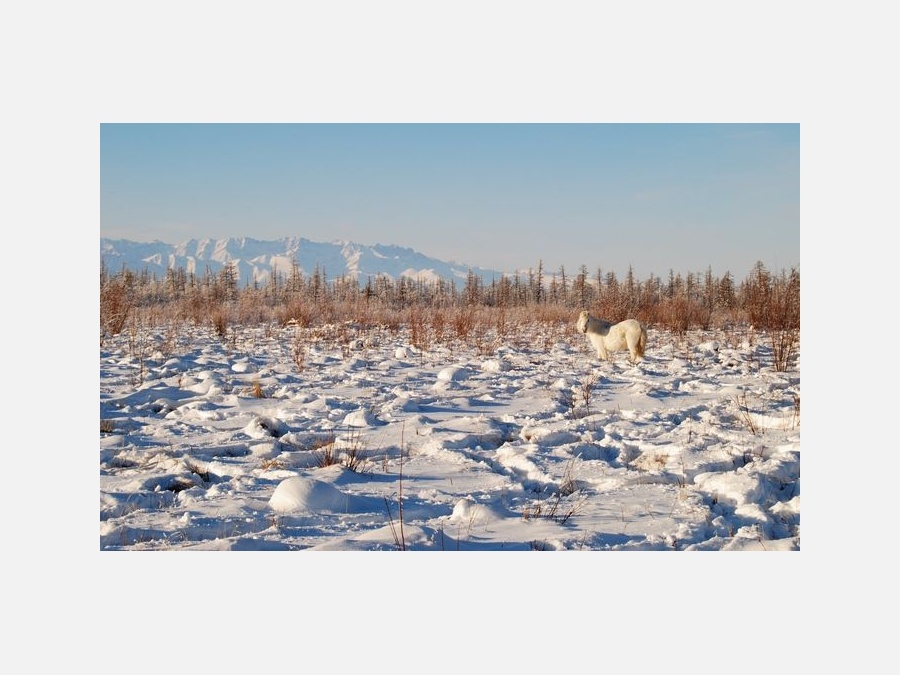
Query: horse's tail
(642, 342)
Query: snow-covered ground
(351, 439)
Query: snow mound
(361, 418)
(453, 374)
(547, 436)
(263, 427)
(307, 495)
(495, 366)
(467, 510)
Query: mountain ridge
(256, 260)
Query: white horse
(606, 337)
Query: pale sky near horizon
(656, 197)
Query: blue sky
(656, 197)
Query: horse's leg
(597, 342)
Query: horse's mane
(595, 324)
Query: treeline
(438, 310)
(678, 303)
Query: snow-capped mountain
(256, 261)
